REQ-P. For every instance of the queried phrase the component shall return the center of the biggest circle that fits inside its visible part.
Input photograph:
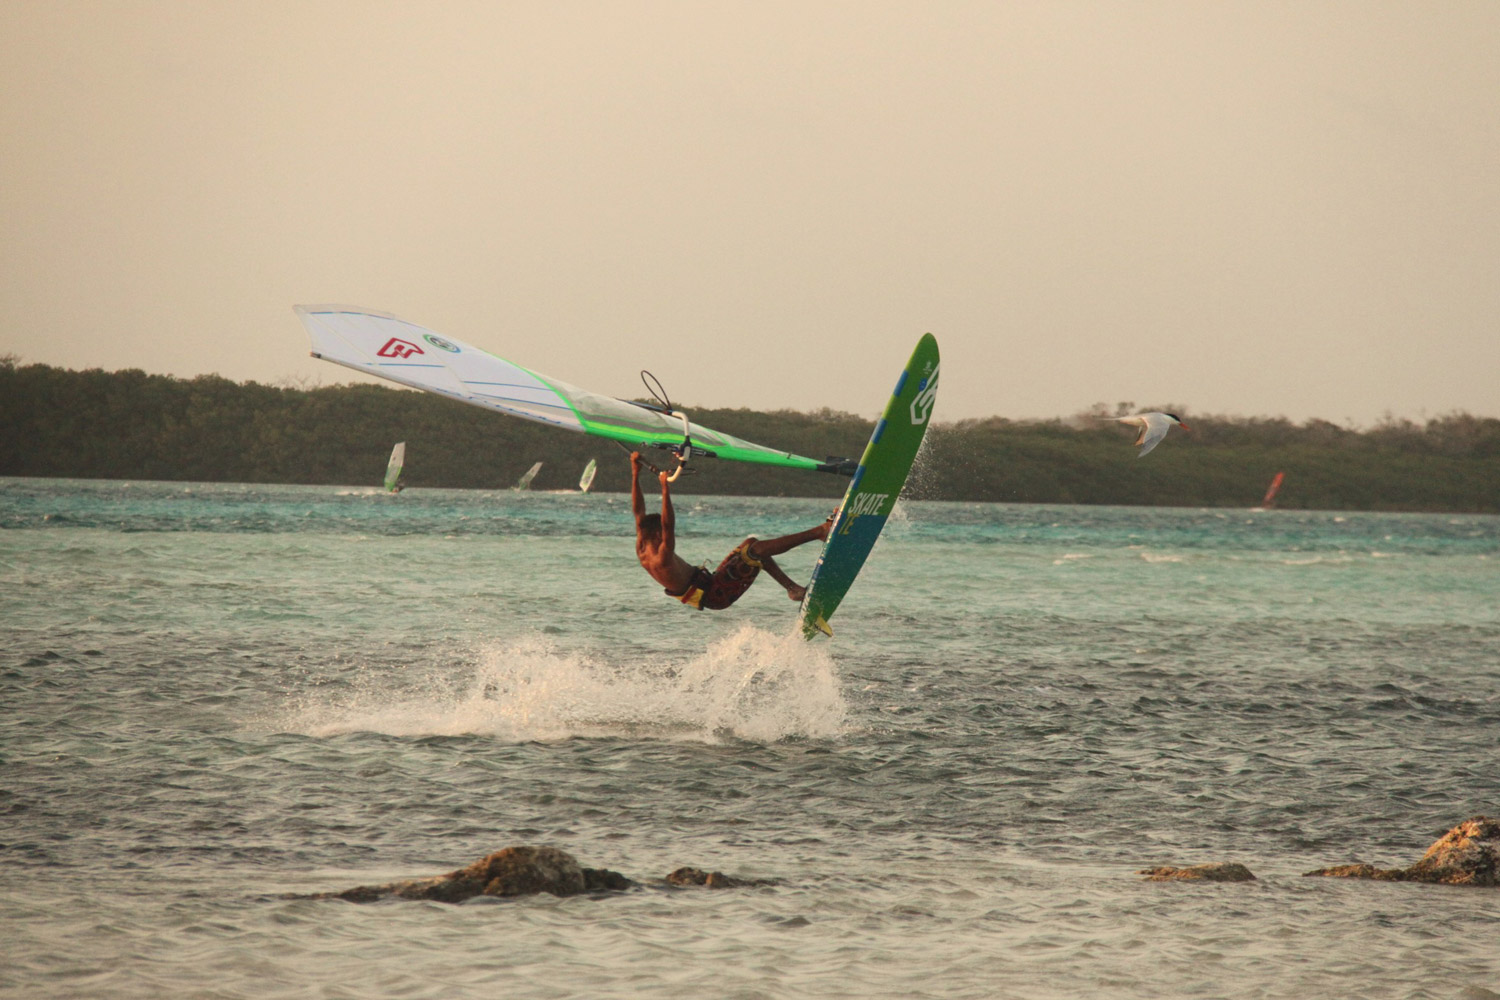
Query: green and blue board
(875, 487)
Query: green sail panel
(392, 348)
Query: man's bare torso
(664, 564)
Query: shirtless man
(656, 547)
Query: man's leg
(793, 589)
(761, 548)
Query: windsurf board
(873, 491)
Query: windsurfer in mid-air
(695, 586)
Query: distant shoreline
(59, 423)
(362, 489)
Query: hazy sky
(1249, 208)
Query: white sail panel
(392, 348)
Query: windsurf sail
(587, 480)
(403, 352)
(1270, 498)
(524, 483)
(393, 468)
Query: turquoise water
(211, 695)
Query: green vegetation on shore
(131, 425)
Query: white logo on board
(865, 503)
(921, 407)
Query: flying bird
(1154, 427)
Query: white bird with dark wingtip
(1154, 427)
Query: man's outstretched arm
(637, 500)
(668, 515)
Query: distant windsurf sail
(1270, 498)
(524, 483)
(393, 468)
(588, 475)
(403, 352)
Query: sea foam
(752, 684)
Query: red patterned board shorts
(718, 590)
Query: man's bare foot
(796, 593)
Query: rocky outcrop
(513, 871)
(712, 880)
(524, 871)
(1468, 854)
(1218, 871)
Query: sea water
(215, 696)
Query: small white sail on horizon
(524, 483)
(588, 475)
(393, 468)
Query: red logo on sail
(398, 348)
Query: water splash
(924, 478)
(752, 685)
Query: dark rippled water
(214, 695)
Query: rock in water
(512, 871)
(1468, 854)
(599, 879)
(1362, 871)
(712, 880)
(523, 871)
(1218, 871)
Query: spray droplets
(752, 685)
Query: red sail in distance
(1270, 499)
